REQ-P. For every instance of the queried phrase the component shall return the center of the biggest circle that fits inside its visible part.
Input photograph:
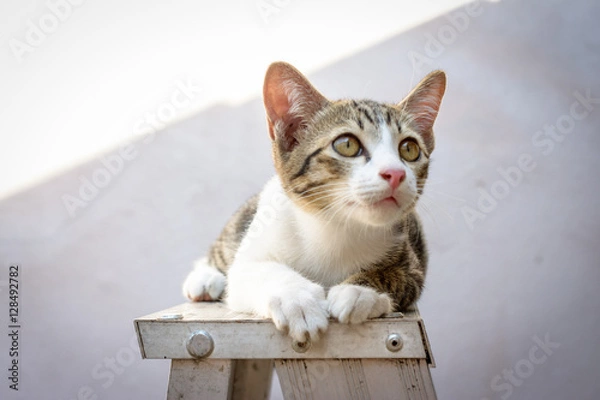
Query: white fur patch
(273, 290)
(355, 304)
(204, 283)
(324, 251)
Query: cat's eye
(410, 150)
(348, 145)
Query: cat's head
(350, 159)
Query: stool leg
(355, 379)
(200, 379)
(252, 379)
(404, 378)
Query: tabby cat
(335, 232)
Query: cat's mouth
(380, 202)
(387, 202)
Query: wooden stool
(217, 353)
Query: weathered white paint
(241, 336)
(350, 361)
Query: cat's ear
(290, 102)
(423, 103)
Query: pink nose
(393, 176)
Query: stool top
(233, 335)
(216, 311)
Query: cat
(335, 233)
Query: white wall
(77, 78)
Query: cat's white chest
(329, 253)
(325, 252)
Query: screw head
(171, 317)
(301, 347)
(394, 342)
(200, 344)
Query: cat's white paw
(302, 312)
(204, 283)
(355, 304)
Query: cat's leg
(354, 304)
(204, 283)
(376, 291)
(395, 283)
(273, 290)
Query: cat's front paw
(204, 283)
(303, 313)
(355, 304)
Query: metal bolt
(301, 347)
(394, 342)
(170, 317)
(200, 344)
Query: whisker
(429, 202)
(424, 210)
